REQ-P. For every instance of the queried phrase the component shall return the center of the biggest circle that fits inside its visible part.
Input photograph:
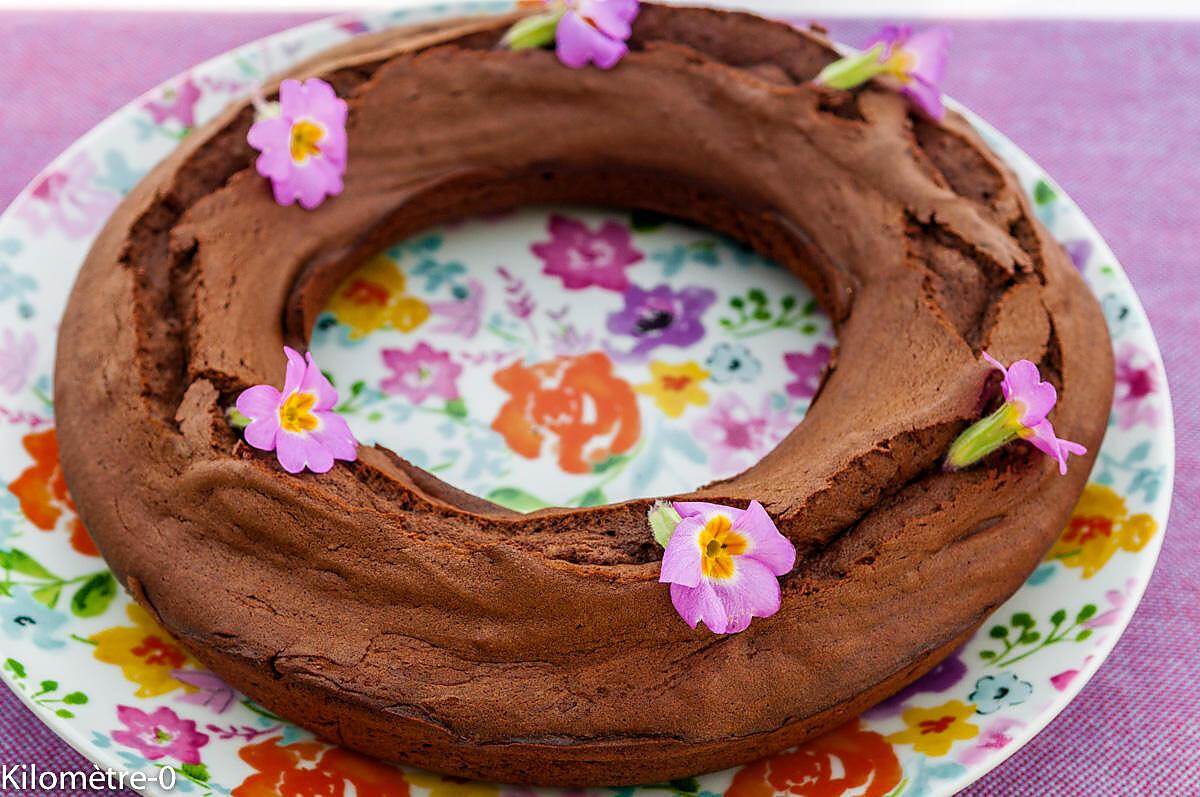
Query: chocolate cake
(392, 613)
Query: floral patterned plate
(457, 342)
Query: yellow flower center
(296, 413)
(900, 65)
(306, 136)
(720, 544)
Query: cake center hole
(573, 356)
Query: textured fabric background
(1112, 111)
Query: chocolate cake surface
(392, 613)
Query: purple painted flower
(1079, 251)
(996, 736)
(299, 424)
(1137, 379)
(594, 31)
(211, 691)
(177, 102)
(661, 316)
(16, 360)
(460, 317)
(303, 147)
(723, 565)
(582, 258)
(421, 374)
(807, 368)
(160, 734)
(736, 436)
(916, 60)
(68, 198)
(1027, 402)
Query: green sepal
(853, 70)
(983, 437)
(535, 31)
(663, 520)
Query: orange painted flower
(1100, 525)
(846, 760)
(315, 769)
(373, 297)
(42, 491)
(146, 654)
(933, 731)
(578, 401)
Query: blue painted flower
(994, 692)
(732, 362)
(23, 617)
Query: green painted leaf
(65, 714)
(1029, 637)
(757, 296)
(788, 302)
(91, 599)
(20, 562)
(516, 499)
(1043, 194)
(1082, 635)
(998, 632)
(47, 596)
(531, 32)
(1086, 613)
(1059, 617)
(49, 686)
(1023, 620)
(456, 408)
(737, 302)
(15, 667)
(75, 699)
(197, 771)
(987, 655)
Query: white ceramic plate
(419, 335)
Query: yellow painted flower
(146, 654)
(1099, 526)
(449, 786)
(373, 297)
(933, 730)
(674, 387)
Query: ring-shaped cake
(395, 614)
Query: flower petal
(767, 545)
(928, 49)
(262, 434)
(728, 605)
(1042, 438)
(925, 96)
(698, 603)
(681, 560)
(705, 510)
(334, 436)
(299, 451)
(577, 43)
(1027, 387)
(612, 17)
(295, 371)
(315, 382)
(260, 401)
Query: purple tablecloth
(1111, 110)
